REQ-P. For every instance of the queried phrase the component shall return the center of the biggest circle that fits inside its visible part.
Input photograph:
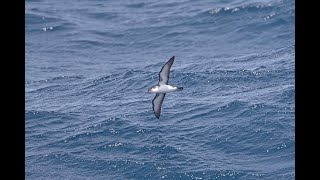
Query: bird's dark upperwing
(157, 103)
(165, 72)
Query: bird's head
(153, 88)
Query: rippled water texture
(89, 65)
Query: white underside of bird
(164, 88)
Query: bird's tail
(179, 88)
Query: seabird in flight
(162, 87)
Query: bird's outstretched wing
(165, 72)
(157, 103)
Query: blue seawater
(88, 114)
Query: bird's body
(162, 87)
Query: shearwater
(162, 87)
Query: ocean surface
(88, 65)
